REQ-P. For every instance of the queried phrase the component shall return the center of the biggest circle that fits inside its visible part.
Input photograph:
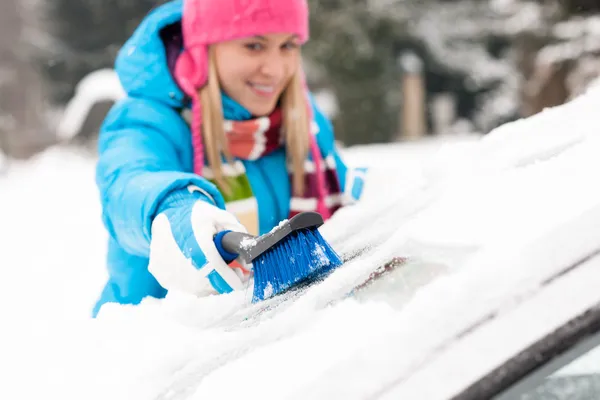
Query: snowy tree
(574, 41)
(483, 52)
(575, 7)
(356, 52)
(462, 44)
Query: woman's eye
(254, 46)
(290, 46)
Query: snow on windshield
(456, 203)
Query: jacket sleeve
(351, 178)
(144, 155)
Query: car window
(575, 375)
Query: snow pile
(98, 86)
(464, 208)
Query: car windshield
(579, 379)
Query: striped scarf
(254, 138)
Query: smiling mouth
(263, 90)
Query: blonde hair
(295, 127)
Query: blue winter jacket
(145, 155)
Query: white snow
(541, 311)
(462, 203)
(268, 292)
(576, 38)
(319, 255)
(585, 364)
(248, 242)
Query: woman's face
(254, 71)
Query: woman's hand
(183, 255)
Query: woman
(217, 132)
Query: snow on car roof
(465, 207)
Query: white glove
(183, 255)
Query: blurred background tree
(493, 60)
(460, 44)
(85, 35)
(22, 106)
(356, 50)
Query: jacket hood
(142, 63)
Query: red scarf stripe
(332, 181)
(331, 184)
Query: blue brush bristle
(300, 257)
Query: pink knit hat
(211, 21)
(205, 22)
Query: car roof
(458, 339)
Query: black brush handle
(232, 244)
(306, 220)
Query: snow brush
(293, 252)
